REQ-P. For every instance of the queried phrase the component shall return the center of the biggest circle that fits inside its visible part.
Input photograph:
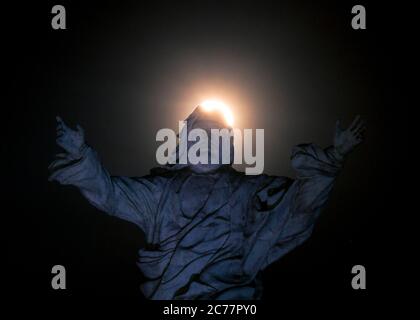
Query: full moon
(217, 105)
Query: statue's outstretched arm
(298, 206)
(131, 199)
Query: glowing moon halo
(212, 105)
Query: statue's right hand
(70, 140)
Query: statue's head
(204, 124)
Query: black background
(124, 70)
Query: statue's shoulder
(258, 181)
(248, 181)
(244, 177)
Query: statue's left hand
(346, 140)
(73, 141)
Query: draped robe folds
(209, 235)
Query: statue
(210, 230)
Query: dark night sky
(123, 71)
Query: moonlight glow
(216, 105)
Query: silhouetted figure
(210, 230)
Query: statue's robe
(210, 235)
